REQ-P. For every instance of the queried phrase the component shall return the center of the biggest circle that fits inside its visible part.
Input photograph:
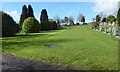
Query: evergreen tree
(118, 16)
(79, 17)
(96, 24)
(104, 19)
(9, 27)
(53, 24)
(83, 19)
(110, 18)
(30, 11)
(98, 18)
(23, 15)
(71, 20)
(66, 19)
(44, 20)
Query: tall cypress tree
(44, 20)
(30, 11)
(23, 16)
(118, 16)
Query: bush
(116, 21)
(20, 26)
(84, 24)
(110, 18)
(53, 25)
(45, 25)
(30, 25)
(77, 23)
(17, 26)
(9, 27)
(95, 25)
(90, 25)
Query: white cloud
(106, 6)
(14, 15)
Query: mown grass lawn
(76, 46)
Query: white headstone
(114, 29)
(105, 26)
(109, 27)
(100, 26)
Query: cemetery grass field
(77, 46)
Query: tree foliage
(98, 18)
(77, 23)
(104, 19)
(57, 19)
(110, 18)
(9, 27)
(66, 19)
(30, 11)
(44, 20)
(116, 21)
(71, 20)
(79, 17)
(83, 19)
(23, 16)
(53, 25)
(30, 25)
(118, 16)
(62, 21)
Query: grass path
(76, 46)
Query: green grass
(79, 47)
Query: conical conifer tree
(44, 20)
(23, 15)
(30, 11)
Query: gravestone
(119, 32)
(109, 27)
(114, 29)
(105, 30)
(100, 26)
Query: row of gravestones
(110, 28)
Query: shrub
(20, 26)
(9, 27)
(53, 25)
(90, 25)
(110, 18)
(17, 26)
(44, 20)
(116, 21)
(30, 25)
(77, 23)
(84, 24)
(95, 25)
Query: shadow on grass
(16, 64)
(28, 35)
(23, 36)
(38, 43)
